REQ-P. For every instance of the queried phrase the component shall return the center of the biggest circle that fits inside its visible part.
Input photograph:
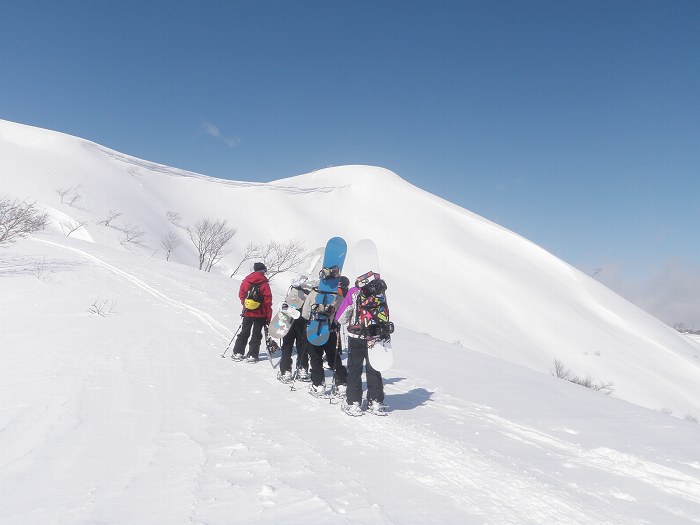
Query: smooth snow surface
(133, 416)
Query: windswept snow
(133, 416)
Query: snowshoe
(377, 408)
(317, 390)
(237, 357)
(339, 390)
(285, 378)
(303, 375)
(353, 409)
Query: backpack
(253, 297)
(371, 316)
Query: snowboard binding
(329, 273)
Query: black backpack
(253, 297)
(371, 316)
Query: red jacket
(265, 309)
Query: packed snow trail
(207, 319)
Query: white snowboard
(312, 267)
(380, 354)
(365, 259)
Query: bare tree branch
(107, 221)
(62, 192)
(72, 225)
(169, 243)
(132, 235)
(102, 307)
(252, 251)
(174, 218)
(278, 257)
(72, 201)
(281, 257)
(19, 219)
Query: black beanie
(343, 282)
(259, 267)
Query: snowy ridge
(133, 417)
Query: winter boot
(340, 390)
(317, 390)
(353, 409)
(376, 407)
(285, 377)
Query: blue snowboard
(319, 327)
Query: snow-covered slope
(451, 274)
(133, 417)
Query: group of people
(348, 381)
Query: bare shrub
(19, 219)
(690, 418)
(63, 192)
(174, 218)
(73, 201)
(169, 243)
(107, 221)
(102, 307)
(210, 239)
(131, 235)
(69, 195)
(560, 371)
(42, 270)
(72, 225)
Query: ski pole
(296, 370)
(338, 344)
(231, 341)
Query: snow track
(218, 328)
(468, 477)
(619, 463)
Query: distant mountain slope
(451, 273)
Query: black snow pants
(330, 348)
(254, 324)
(357, 357)
(296, 335)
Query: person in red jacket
(256, 298)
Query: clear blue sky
(573, 123)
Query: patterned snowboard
(318, 329)
(282, 321)
(284, 317)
